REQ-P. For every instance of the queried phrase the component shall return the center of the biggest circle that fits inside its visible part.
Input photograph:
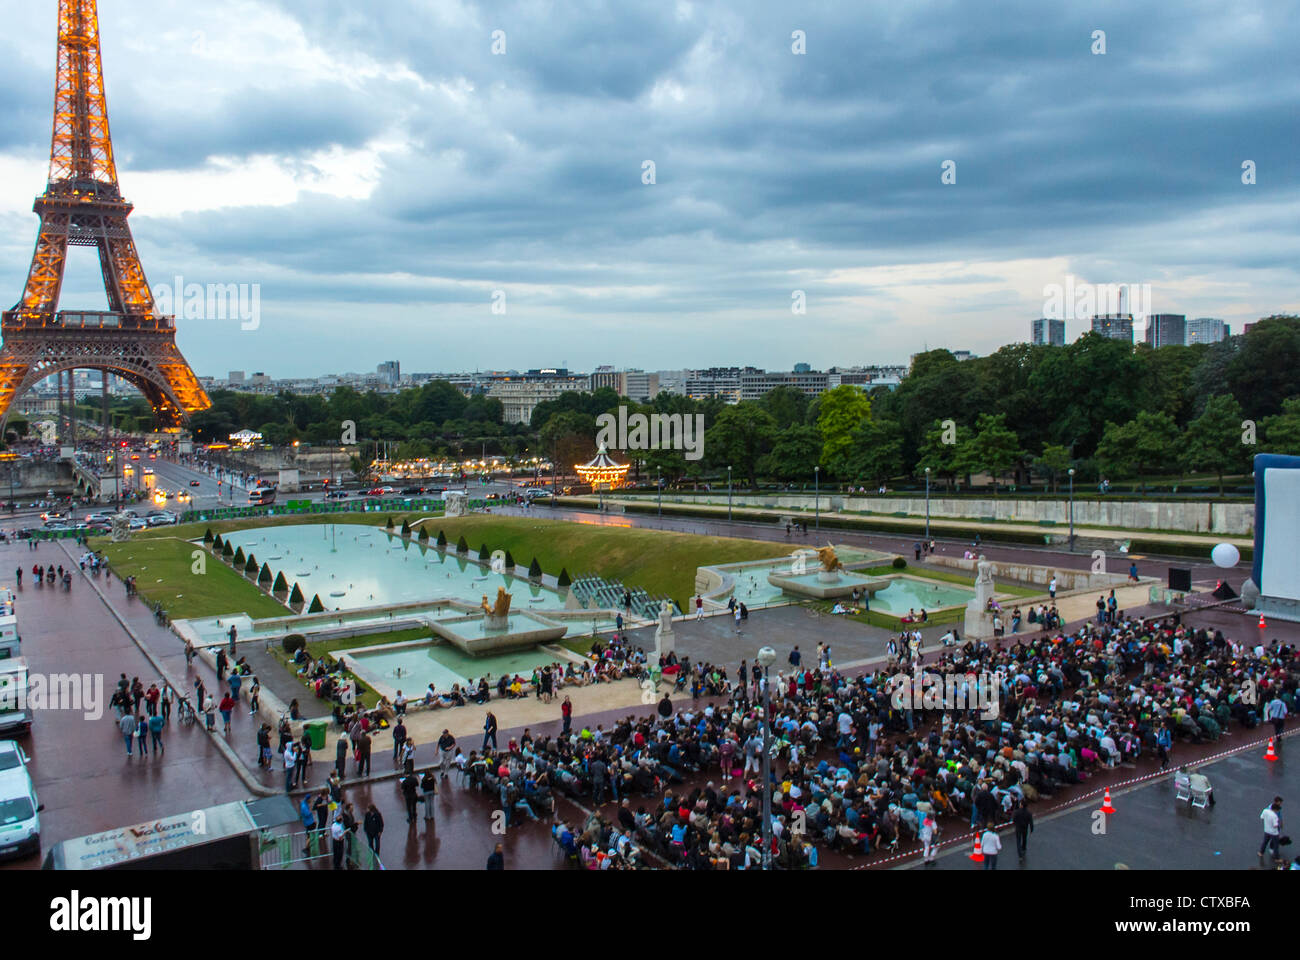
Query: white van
(20, 821)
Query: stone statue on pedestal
(120, 528)
(665, 640)
(979, 621)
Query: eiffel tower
(83, 206)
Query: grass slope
(183, 593)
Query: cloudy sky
(384, 176)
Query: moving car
(20, 822)
(380, 491)
(160, 519)
(336, 495)
(194, 483)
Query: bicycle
(185, 714)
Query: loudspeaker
(1180, 579)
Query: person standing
(341, 756)
(699, 607)
(254, 697)
(221, 666)
(155, 733)
(363, 754)
(490, 729)
(226, 706)
(1164, 743)
(447, 748)
(795, 657)
(290, 765)
(264, 745)
(236, 681)
(126, 724)
(399, 738)
(165, 702)
(410, 788)
(990, 846)
(336, 835)
(928, 830)
(308, 820)
(142, 733)
(1276, 711)
(1272, 818)
(1024, 821)
(373, 824)
(566, 711)
(497, 860)
(429, 790)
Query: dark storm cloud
(773, 170)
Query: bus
(261, 496)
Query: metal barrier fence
(307, 507)
(283, 851)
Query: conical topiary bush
(240, 559)
(462, 546)
(207, 536)
(217, 543)
(389, 524)
(424, 534)
(250, 566)
(227, 551)
(534, 570)
(563, 580)
(264, 577)
(406, 528)
(510, 561)
(441, 542)
(484, 554)
(316, 605)
(296, 599)
(281, 584)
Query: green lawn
(659, 561)
(183, 593)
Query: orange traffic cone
(1262, 624)
(978, 855)
(1105, 803)
(1270, 754)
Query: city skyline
(380, 183)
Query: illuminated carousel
(602, 472)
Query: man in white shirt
(990, 846)
(1272, 818)
(336, 834)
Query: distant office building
(802, 368)
(606, 376)
(236, 376)
(637, 385)
(757, 384)
(1114, 326)
(519, 393)
(1206, 330)
(723, 382)
(1045, 332)
(1166, 329)
(390, 371)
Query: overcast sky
(380, 172)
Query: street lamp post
(817, 497)
(728, 494)
(659, 486)
(927, 503)
(766, 657)
(1072, 509)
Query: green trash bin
(315, 730)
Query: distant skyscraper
(1047, 332)
(1206, 330)
(390, 371)
(1166, 329)
(1115, 326)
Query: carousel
(602, 472)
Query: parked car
(194, 483)
(19, 808)
(336, 495)
(412, 489)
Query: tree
(462, 546)
(316, 605)
(534, 570)
(406, 528)
(877, 452)
(1054, 461)
(389, 525)
(937, 453)
(281, 585)
(510, 561)
(218, 543)
(993, 448)
(207, 537)
(1139, 447)
(227, 551)
(441, 542)
(296, 599)
(1213, 440)
(239, 558)
(1282, 432)
(794, 452)
(424, 534)
(484, 554)
(563, 580)
(264, 577)
(840, 412)
(1266, 369)
(788, 406)
(740, 437)
(250, 566)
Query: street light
(927, 503)
(1072, 509)
(728, 494)
(659, 485)
(766, 657)
(817, 497)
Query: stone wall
(1067, 580)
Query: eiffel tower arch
(83, 206)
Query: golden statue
(830, 562)
(502, 607)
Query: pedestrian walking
(1276, 712)
(126, 724)
(337, 834)
(410, 794)
(290, 765)
(1272, 819)
(1164, 743)
(1024, 821)
(566, 711)
(254, 697)
(373, 824)
(429, 792)
(929, 830)
(363, 754)
(990, 846)
(165, 701)
(447, 750)
(142, 733)
(399, 738)
(226, 706)
(210, 713)
(155, 733)
(490, 729)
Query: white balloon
(1225, 555)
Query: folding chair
(1182, 787)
